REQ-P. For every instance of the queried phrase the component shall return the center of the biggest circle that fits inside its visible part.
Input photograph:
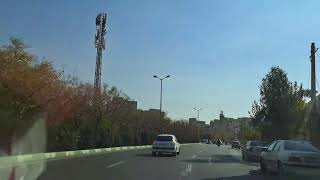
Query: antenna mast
(99, 43)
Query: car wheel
(243, 158)
(280, 168)
(263, 166)
(174, 153)
(178, 152)
(154, 154)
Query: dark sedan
(253, 149)
(236, 144)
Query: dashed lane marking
(116, 164)
(210, 161)
(187, 171)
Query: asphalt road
(196, 161)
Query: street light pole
(160, 97)
(198, 111)
(198, 114)
(161, 79)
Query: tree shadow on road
(253, 175)
(258, 175)
(220, 159)
(150, 155)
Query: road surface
(196, 161)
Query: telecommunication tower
(99, 43)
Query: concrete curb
(9, 161)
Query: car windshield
(258, 143)
(164, 138)
(299, 146)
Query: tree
(76, 118)
(27, 85)
(279, 112)
(247, 133)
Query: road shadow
(144, 155)
(220, 159)
(253, 175)
(215, 159)
(150, 155)
(252, 162)
(258, 175)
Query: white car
(283, 154)
(166, 143)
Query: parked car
(236, 144)
(283, 154)
(165, 143)
(253, 149)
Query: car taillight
(154, 142)
(173, 143)
(294, 159)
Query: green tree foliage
(280, 110)
(248, 133)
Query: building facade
(228, 128)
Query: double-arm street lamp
(161, 79)
(198, 111)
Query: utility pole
(99, 43)
(314, 115)
(313, 76)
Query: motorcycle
(219, 143)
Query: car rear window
(299, 146)
(164, 138)
(235, 142)
(258, 143)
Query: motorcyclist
(218, 142)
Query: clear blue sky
(217, 51)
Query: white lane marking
(189, 168)
(210, 161)
(186, 171)
(116, 164)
